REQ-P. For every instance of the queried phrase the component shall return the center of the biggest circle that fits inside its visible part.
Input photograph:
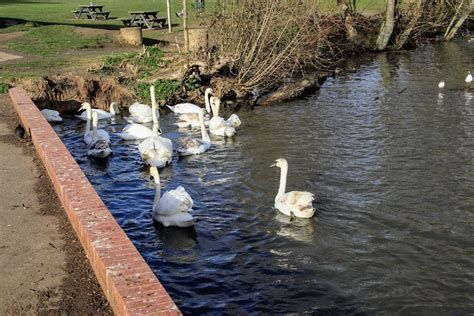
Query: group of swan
(173, 207)
(467, 80)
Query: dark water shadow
(176, 237)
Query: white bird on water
(102, 115)
(99, 134)
(173, 208)
(136, 131)
(294, 203)
(441, 85)
(468, 79)
(217, 125)
(191, 118)
(157, 151)
(193, 146)
(142, 113)
(183, 108)
(51, 115)
(99, 148)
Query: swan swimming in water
(171, 209)
(102, 115)
(157, 151)
(294, 203)
(99, 134)
(142, 113)
(217, 125)
(51, 115)
(468, 78)
(441, 85)
(136, 131)
(191, 119)
(99, 148)
(193, 146)
(184, 108)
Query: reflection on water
(391, 162)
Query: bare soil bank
(43, 267)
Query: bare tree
(266, 41)
(465, 8)
(388, 24)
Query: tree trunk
(405, 35)
(388, 24)
(454, 26)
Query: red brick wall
(128, 282)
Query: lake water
(390, 161)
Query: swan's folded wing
(183, 219)
(300, 198)
(233, 121)
(139, 109)
(173, 202)
(216, 123)
(186, 108)
(103, 135)
(188, 143)
(99, 148)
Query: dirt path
(42, 265)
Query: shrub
(4, 87)
(164, 89)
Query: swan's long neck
(155, 129)
(112, 109)
(206, 101)
(154, 116)
(89, 112)
(154, 107)
(204, 134)
(94, 127)
(157, 190)
(88, 126)
(215, 108)
(283, 175)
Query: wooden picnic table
(142, 18)
(92, 11)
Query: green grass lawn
(52, 40)
(59, 11)
(50, 32)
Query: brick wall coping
(127, 281)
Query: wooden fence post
(185, 26)
(169, 15)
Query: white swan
(468, 78)
(102, 115)
(233, 121)
(183, 108)
(217, 124)
(193, 146)
(297, 203)
(136, 131)
(441, 84)
(171, 209)
(142, 113)
(98, 148)
(157, 151)
(89, 135)
(51, 115)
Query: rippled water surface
(391, 163)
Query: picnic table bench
(92, 11)
(144, 18)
